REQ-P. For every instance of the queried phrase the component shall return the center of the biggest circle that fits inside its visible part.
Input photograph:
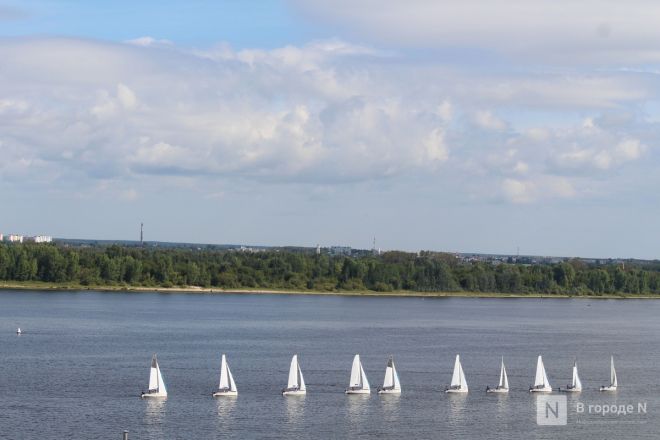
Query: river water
(84, 357)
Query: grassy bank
(43, 286)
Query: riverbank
(36, 285)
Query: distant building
(12, 238)
(43, 239)
(340, 250)
(318, 249)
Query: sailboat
(613, 381)
(391, 384)
(576, 383)
(541, 384)
(156, 383)
(18, 331)
(458, 383)
(359, 383)
(296, 385)
(503, 386)
(227, 386)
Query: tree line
(298, 270)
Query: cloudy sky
(456, 125)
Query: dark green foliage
(296, 270)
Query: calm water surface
(78, 369)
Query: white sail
(391, 380)
(359, 383)
(504, 380)
(397, 384)
(541, 379)
(363, 379)
(224, 377)
(613, 380)
(161, 384)
(301, 380)
(356, 377)
(154, 376)
(462, 378)
(576, 384)
(458, 377)
(294, 373)
(232, 384)
(156, 384)
(388, 382)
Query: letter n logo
(551, 410)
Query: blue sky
(240, 23)
(459, 126)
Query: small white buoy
(18, 331)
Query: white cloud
(524, 191)
(520, 167)
(486, 119)
(147, 41)
(324, 113)
(519, 191)
(541, 29)
(436, 148)
(126, 96)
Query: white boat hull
(349, 391)
(225, 394)
(608, 388)
(153, 396)
(541, 390)
(389, 391)
(294, 392)
(456, 391)
(572, 390)
(497, 390)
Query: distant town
(15, 238)
(334, 251)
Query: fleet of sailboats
(503, 385)
(359, 383)
(541, 383)
(613, 382)
(227, 386)
(458, 383)
(156, 384)
(296, 384)
(391, 384)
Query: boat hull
(389, 391)
(456, 391)
(294, 392)
(608, 388)
(497, 390)
(225, 394)
(357, 392)
(540, 390)
(153, 396)
(572, 390)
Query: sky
(448, 125)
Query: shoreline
(219, 291)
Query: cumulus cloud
(75, 112)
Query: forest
(116, 265)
